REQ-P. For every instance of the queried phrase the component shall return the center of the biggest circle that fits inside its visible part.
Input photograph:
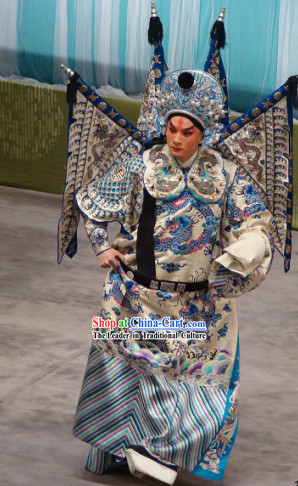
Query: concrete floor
(46, 313)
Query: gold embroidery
(102, 106)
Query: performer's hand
(109, 258)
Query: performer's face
(183, 137)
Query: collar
(188, 163)
(164, 178)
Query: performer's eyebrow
(183, 129)
(189, 128)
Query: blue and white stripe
(119, 406)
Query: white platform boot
(141, 462)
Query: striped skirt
(193, 426)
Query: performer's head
(184, 134)
(195, 98)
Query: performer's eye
(188, 134)
(172, 130)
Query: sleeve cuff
(245, 255)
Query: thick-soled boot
(141, 462)
(100, 462)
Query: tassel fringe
(293, 91)
(71, 93)
(218, 32)
(155, 31)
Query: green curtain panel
(33, 135)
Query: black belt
(154, 284)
